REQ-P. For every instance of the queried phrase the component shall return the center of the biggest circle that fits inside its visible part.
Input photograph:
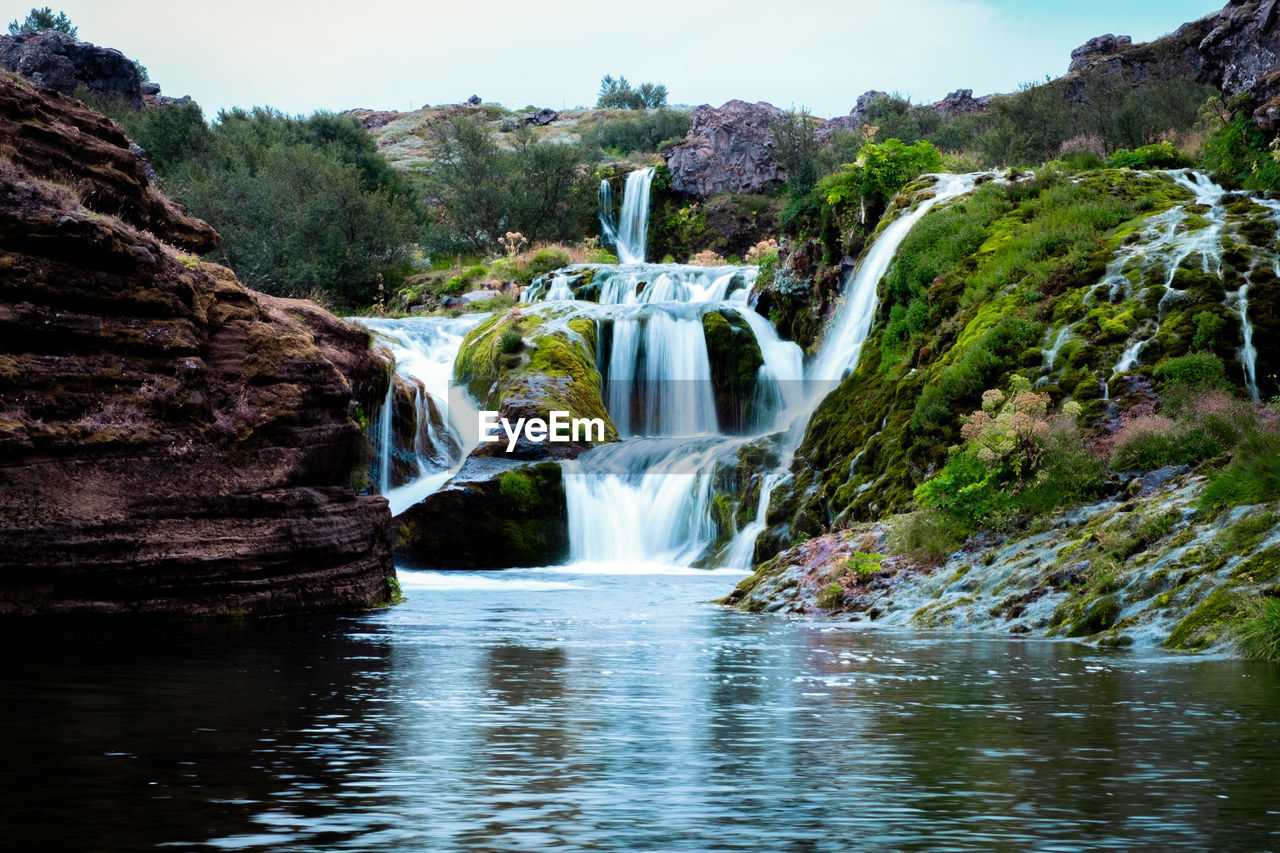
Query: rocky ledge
(170, 442)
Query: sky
(300, 57)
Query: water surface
(591, 708)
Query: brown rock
(170, 442)
(727, 150)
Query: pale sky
(394, 54)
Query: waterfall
(852, 323)
(423, 352)
(632, 225)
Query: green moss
(1209, 622)
(1261, 568)
(735, 359)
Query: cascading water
(423, 352)
(632, 225)
(852, 323)
(649, 498)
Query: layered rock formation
(726, 151)
(170, 442)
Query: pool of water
(613, 708)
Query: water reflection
(589, 711)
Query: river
(604, 708)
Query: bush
(1159, 155)
(831, 596)
(925, 535)
(644, 131)
(881, 170)
(1238, 153)
(1197, 371)
(1204, 425)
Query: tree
(618, 95)
(794, 143)
(43, 19)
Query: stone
(171, 443)
(1103, 45)
(961, 102)
(57, 61)
(1154, 481)
(727, 150)
(474, 101)
(541, 118)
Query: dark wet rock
(494, 514)
(473, 101)
(1154, 481)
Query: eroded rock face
(1097, 46)
(170, 442)
(961, 102)
(727, 150)
(57, 61)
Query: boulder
(541, 118)
(171, 443)
(493, 514)
(727, 150)
(473, 101)
(57, 61)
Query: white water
(630, 232)
(852, 323)
(423, 353)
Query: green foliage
(171, 134)
(831, 596)
(794, 145)
(1258, 635)
(536, 187)
(44, 19)
(1239, 153)
(1203, 426)
(880, 171)
(863, 566)
(618, 94)
(1158, 155)
(644, 131)
(1252, 476)
(1208, 327)
(926, 535)
(1197, 371)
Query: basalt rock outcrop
(727, 150)
(57, 61)
(1236, 49)
(170, 441)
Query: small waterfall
(423, 352)
(661, 361)
(631, 230)
(742, 551)
(852, 323)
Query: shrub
(1197, 371)
(44, 19)
(1159, 155)
(547, 260)
(831, 596)
(645, 131)
(926, 535)
(1204, 425)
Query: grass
(1251, 477)
(1258, 635)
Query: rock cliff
(726, 151)
(170, 442)
(57, 61)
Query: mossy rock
(1210, 622)
(735, 361)
(491, 516)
